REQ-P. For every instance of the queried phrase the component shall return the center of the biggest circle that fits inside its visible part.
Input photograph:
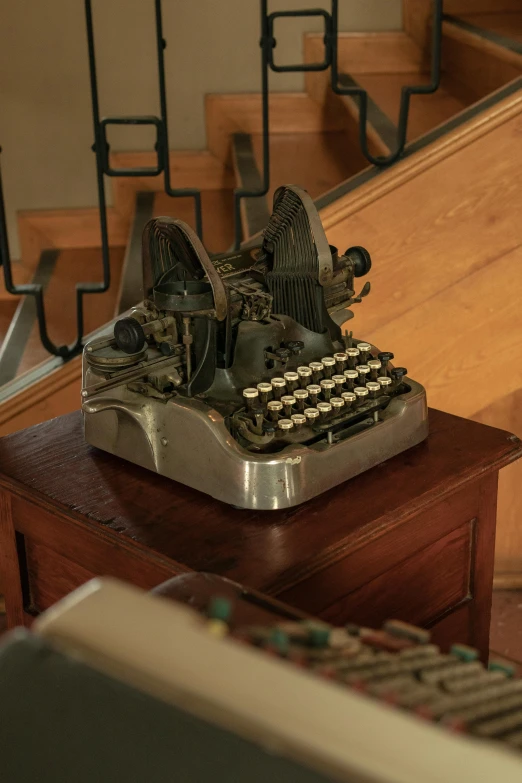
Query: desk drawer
(57, 555)
(419, 590)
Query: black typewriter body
(235, 374)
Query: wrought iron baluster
(406, 92)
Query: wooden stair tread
(506, 23)
(315, 161)
(426, 111)
(218, 215)
(72, 266)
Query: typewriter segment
(236, 374)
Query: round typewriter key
(317, 370)
(299, 419)
(265, 390)
(350, 376)
(312, 414)
(250, 396)
(285, 424)
(363, 371)
(324, 409)
(288, 401)
(361, 394)
(340, 361)
(364, 350)
(374, 365)
(327, 386)
(313, 392)
(278, 387)
(337, 404)
(349, 398)
(274, 409)
(328, 363)
(373, 389)
(305, 375)
(292, 381)
(353, 355)
(384, 382)
(385, 357)
(339, 383)
(301, 395)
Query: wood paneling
(443, 230)
(413, 588)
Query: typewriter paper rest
(237, 375)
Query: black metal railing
(101, 147)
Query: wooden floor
(506, 23)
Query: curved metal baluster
(406, 92)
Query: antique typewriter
(234, 375)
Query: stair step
(503, 27)
(218, 215)
(426, 111)
(315, 161)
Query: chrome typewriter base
(188, 441)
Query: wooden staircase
(441, 224)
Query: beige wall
(45, 120)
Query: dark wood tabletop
(54, 465)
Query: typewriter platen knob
(129, 335)
(362, 262)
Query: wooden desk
(412, 538)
